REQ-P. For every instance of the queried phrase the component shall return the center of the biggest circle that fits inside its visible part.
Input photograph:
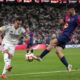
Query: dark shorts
(29, 45)
(62, 40)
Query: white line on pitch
(37, 73)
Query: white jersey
(12, 35)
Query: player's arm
(25, 37)
(2, 28)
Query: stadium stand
(42, 19)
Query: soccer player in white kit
(13, 32)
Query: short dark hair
(18, 18)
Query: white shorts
(9, 47)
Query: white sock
(7, 62)
(4, 69)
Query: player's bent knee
(5, 51)
(10, 55)
(53, 41)
(50, 47)
(57, 52)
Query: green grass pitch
(49, 69)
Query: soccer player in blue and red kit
(29, 42)
(60, 42)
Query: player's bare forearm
(26, 39)
(1, 29)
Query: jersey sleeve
(6, 27)
(23, 30)
(78, 20)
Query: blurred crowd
(42, 20)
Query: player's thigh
(5, 47)
(54, 42)
(59, 52)
(11, 49)
(58, 49)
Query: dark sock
(32, 51)
(44, 53)
(64, 61)
(27, 51)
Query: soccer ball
(29, 57)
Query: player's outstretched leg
(7, 66)
(62, 58)
(52, 44)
